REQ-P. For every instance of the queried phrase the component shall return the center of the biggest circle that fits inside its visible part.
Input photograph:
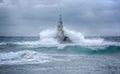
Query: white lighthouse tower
(61, 37)
(60, 32)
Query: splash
(48, 39)
(48, 36)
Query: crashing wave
(48, 36)
(25, 57)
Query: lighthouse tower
(60, 32)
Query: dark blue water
(28, 55)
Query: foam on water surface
(48, 39)
(24, 57)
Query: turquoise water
(28, 55)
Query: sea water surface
(44, 55)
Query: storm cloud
(29, 17)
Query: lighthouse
(60, 32)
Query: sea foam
(24, 57)
(48, 36)
(48, 39)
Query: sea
(45, 55)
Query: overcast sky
(29, 17)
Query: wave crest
(24, 57)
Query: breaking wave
(80, 43)
(2, 43)
(48, 37)
(25, 57)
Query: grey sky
(29, 17)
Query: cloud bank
(29, 17)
